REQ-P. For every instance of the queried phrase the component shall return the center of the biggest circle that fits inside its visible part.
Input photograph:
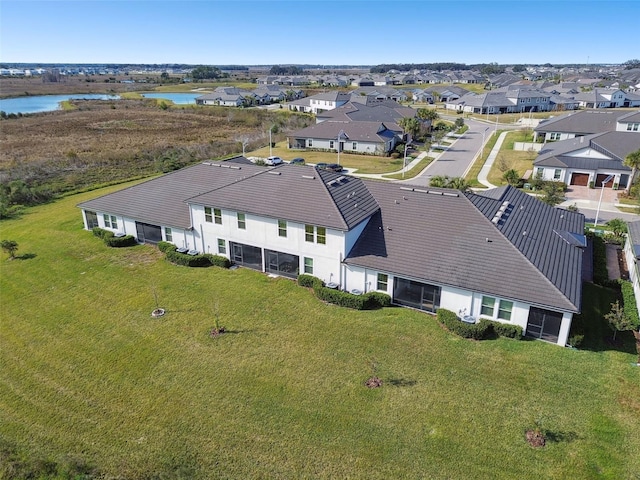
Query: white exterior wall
(457, 300)
(362, 147)
(548, 173)
(563, 136)
(262, 232)
(634, 278)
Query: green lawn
(362, 163)
(508, 158)
(87, 374)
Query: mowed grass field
(87, 373)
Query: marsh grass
(86, 372)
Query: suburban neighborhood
(303, 240)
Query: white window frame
(488, 303)
(222, 246)
(308, 265)
(242, 220)
(168, 234)
(110, 221)
(282, 228)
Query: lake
(46, 103)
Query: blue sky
(318, 32)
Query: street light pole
(270, 128)
(595, 224)
(404, 161)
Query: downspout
(202, 237)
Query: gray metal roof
(582, 122)
(388, 111)
(633, 229)
(581, 163)
(354, 131)
(162, 200)
(631, 117)
(297, 193)
(448, 238)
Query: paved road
(455, 161)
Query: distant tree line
(286, 70)
(202, 72)
(403, 67)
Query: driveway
(592, 194)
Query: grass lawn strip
(85, 371)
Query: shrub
(343, 299)
(309, 281)
(219, 260)
(477, 331)
(375, 300)
(126, 241)
(101, 232)
(202, 260)
(600, 273)
(629, 302)
(507, 330)
(165, 247)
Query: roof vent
(310, 177)
(273, 173)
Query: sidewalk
(408, 168)
(486, 168)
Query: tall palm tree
(632, 160)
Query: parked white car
(273, 161)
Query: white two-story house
(503, 255)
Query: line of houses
(500, 255)
(584, 148)
(238, 97)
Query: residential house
(502, 255)
(632, 257)
(576, 124)
(320, 102)
(380, 93)
(388, 112)
(601, 98)
(370, 138)
(588, 159)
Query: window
(308, 233)
(556, 174)
(309, 142)
(308, 265)
(222, 246)
(242, 221)
(208, 216)
(540, 172)
(282, 228)
(554, 136)
(354, 146)
(168, 234)
(632, 127)
(217, 216)
(488, 304)
(331, 144)
(92, 219)
(383, 282)
(110, 221)
(317, 234)
(504, 310)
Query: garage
(601, 177)
(580, 179)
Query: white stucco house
(503, 255)
(588, 160)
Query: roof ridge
(512, 245)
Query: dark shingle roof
(162, 200)
(297, 193)
(449, 239)
(354, 131)
(582, 122)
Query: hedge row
(201, 260)
(629, 302)
(478, 331)
(111, 240)
(368, 301)
(600, 273)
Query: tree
(632, 160)
(206, 73)
(10, 247)
(459, 183)
(631, 64)
(553, 193)
(618, 319)
(425, 114)
(410, 125)
(511, 177)
(459, 123)
(439, 181)
(617, 226)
